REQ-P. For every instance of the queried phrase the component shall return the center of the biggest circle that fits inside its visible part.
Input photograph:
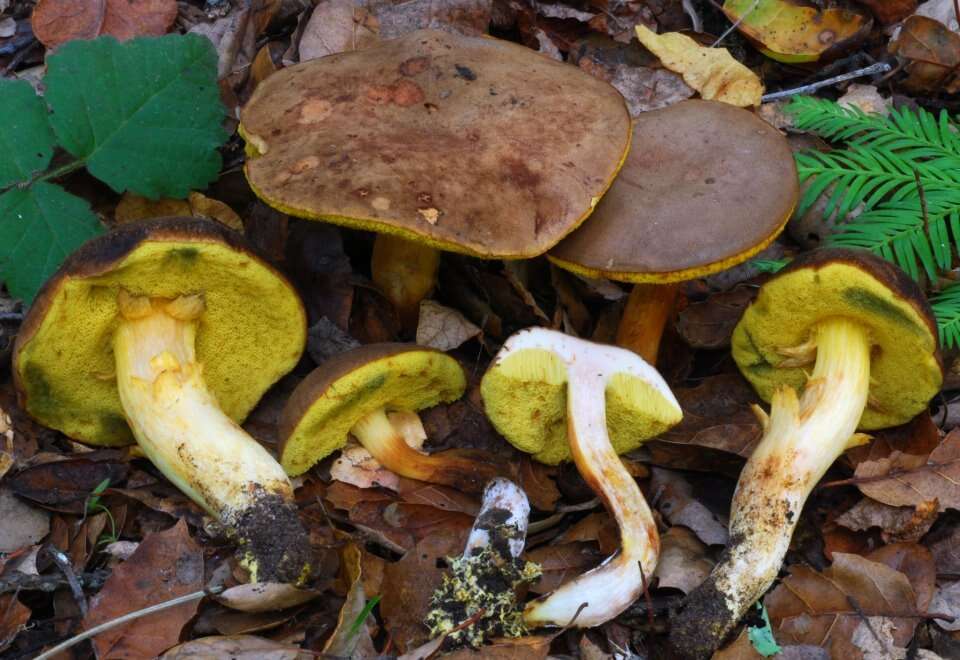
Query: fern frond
(946, 309)
(896, 231)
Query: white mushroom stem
(504, 505)
(178, 424)
(386, 444)
(801, 441)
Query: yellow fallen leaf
(133, 207)
(201, 205)
(711, 71)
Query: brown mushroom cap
(706, 186)
(905, 366)
(472, 145)
(252, 331)
(347, 387)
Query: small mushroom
(555, 396)
(869, 336)
(168, 332)
(706, 186)
(351, 394)
(488, 573)
(473, 145)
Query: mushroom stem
(611, 587)
(179, 426)
(801, 440)
(379, 437)
(406, 272)
(648, 309)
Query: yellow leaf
(201, 205)
(711, 71)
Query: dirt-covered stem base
(178, 424)
(801, 440)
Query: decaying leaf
(711, 71)
(790, 32)
(66, 485)
(932, 49)
(350, 639)
(265, 596)
(675, 500)
(683, 560)
(58, 21)
(890, 11)
(443, 328)
(235, 647)
(13, 618)
(166, 565)
(709, 324)
(947, 601)
(336, 26)
(905, 523)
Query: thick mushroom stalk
(178, 424)
(648, 309)
(386, 444)
(801, 440)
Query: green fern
(889, 168)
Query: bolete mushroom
(871, 338)
(473, 145)
(167, 332)
(555, 396)
(706, 186)
(351, 394)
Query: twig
(646, 595)
(23, 582)
(866, 620)
(736, 24)
(129, 616)
(879, 67)
(895, 474)
(63, 563)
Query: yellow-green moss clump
(904, 367)
(347, 388)
(253, 329)
(525, 397)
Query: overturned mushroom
(168, 332)
(870, 337)
(706, 186)
(437, 141)
(488, 574)
(557, 396)
(351, 394)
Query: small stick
(879, 67)
(63, 563)
(646, 595)
(129, 616)
(735, 25)
(17, 581)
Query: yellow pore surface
(410, 380)
(525, 396)
(252, 332)
(904, 372)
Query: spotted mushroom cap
(469, 144)
(706, 186)
(252, 331)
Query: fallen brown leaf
(443, 328)
(13, 618)
(166, 565)
(58, 21)
(235, 647)
(683, 562)
(914, 561)
(337, 26)
(66, 485)
(345, 641)
(674, 499)
(465, 16)
(562, 562)
(23, 524)
(933, 50)
(904, 523)
(265, 596)
(890, 11)
(709, 324)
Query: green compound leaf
(39, 227)
(26, 141)
(143, 115)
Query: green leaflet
(143, 115)
(39, 227)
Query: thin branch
(17, 581)
(879, 67)
(895, 474)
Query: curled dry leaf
(683, 560)
(166, 565)
(265, 596)
(789, 32)
(235, 647)
(336, 26)
(348, 641)
(443, 328)
(675, 500)
(904, 523)
(711, 71)
(933, 50)
(58, 21)
(709, 324)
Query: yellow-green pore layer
(525, 397)
(472, 145)
(336, 395)
(252, 331)
(905, 366)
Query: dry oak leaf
(711, 71)
(826, 608)
(904, 480)
(166, 565)
(58, 21)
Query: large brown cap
(905, 367)
(473, 145)
(252, 331)
(706, 186)
(336, 395)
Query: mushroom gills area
(604, 592)
(802, 439)
(178, 424)
(379, 437)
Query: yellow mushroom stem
(406, 272)
(647, 311)
(386, 444)
(606, 591)
(801, 441)
(181, 429)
